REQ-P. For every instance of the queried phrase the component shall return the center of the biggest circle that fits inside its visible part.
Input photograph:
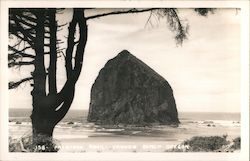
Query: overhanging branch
(182, 32)
(134, 10)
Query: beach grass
(207, 144)
(27, 144)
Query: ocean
(81, 115)
(75, 134)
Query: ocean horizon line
(232, 112)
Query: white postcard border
(243, 155)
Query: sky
(204, 72)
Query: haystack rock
(128, 92)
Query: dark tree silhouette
(34, 32)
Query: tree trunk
(42, 119)
(53, 51)
(50, 109)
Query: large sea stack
(129, 92)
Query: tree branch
(22, 38)
(68, 90)
(53, 52)
(13, 85)
(181, 32)
(204, 11)
(18, 53)
(148, 20)
(70, 46)
(18, 43)
(20, 63)
(83, 30)
(28, 18)
(22, 29)
(175, 24)
(134, 10)
(62, 111)
(27, 37)
(25, 22)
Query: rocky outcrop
(127, 91)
